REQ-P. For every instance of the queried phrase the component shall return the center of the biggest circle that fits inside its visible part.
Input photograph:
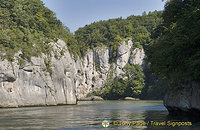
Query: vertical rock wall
(96, 67)
(185, 100)
(58, 78)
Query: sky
(78, 13)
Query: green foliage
(112, 31)
(131, 84)
(47, 62)
(94, 79)
(21, 62)
(65, 71)
(97, 66)
(29, 26)
(175, 51)
(155, 86)
(135, 79)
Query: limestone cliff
(96, 67)
(58, 78)
(32, 84)
(184, 100)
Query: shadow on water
(171, 121)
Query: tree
(175, 49)
(24, 23)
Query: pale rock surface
(185, 100)
(67, 80)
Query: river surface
(90, 114)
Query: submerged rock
(92, 98)
(97, 98)
(85, 99)
(130, 98)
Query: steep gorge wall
(96, 68)
(185, 100)
(32, 84)
(58, 78)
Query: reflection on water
(89, 115)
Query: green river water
(90, 114)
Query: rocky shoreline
(185, 101)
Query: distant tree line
(110, 32)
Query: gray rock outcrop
(58, 78)
(130, 98)
(32, 84)
(185, 100)
(96, 67)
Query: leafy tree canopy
(175, 51)
(110, 32)
(27, 26)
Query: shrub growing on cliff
(129, 86)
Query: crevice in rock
(63, 85)
(122, 54)
(45, 95)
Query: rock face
(92, 98)
(184, 101)
(58, 78)
(130, 98)
(96, 67)
(32, 84)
